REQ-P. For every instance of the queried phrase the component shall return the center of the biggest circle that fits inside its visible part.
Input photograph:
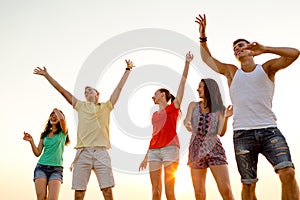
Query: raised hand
(255, 48)
(129, 64)
(189, 57)
(229, 111)
(27, 137)
(58, 114)
(40, 71)
(201, 20)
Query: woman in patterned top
(49, 169)
(207, 119)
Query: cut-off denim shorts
(269, 142)
(164, 154)
(48, 172)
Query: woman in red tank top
(163, 152)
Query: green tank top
(53, 150)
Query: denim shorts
(164, 154)
(269, 142)
(48, 172)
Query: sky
(86, 42)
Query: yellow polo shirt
(93, 124)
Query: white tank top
(251, 96)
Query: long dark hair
(48, 129)
(213, 96)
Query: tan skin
(170, 168)
(91, 96)
(244, 53)
(220, 172)
(41, 183)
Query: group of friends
(251, 89)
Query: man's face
(91, 94)
(239, 50)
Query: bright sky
(70, 37)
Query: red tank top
(164, 127)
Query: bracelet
(128, 69)
(203, 39)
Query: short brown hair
(240, 40)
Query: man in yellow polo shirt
(92, 135)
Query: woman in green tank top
(49, 169)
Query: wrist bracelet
(128, 69)
(203, 39)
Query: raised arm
(116, 93)
(62, 120)
(287, 56)
(37, 150)
(177, 101)
(227, 70)
(67, 95)
(223, 119)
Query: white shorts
(96, 159)
(164, 154)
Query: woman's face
(200, 90)
(53, 118)
(157, 96)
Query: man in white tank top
(254, 124)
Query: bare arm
(223, 119)
(143, 164)
(116, 93)
(62, 120)
(37, 150)
(187, 121)
(180, 91)
(287, 56)
(67, 95)
(227, 70)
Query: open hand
(129, 64)
(40, 71)
(201, 20)
(255, 49)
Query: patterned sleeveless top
(205, 141)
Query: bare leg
(54, 188)
(248, 192)
(41, 188)
(199, 178)
(221, 175)
(79, 194)
(155, 169)
(107, 193)
(290, 189)
(170, 169)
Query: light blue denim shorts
(48, 172)
(164, 154)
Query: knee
(79, 194)
(249, 188)
(170, 194)
(107, 192)
(286, 175)
(200, 194)
(156, 191)
(226, 191)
